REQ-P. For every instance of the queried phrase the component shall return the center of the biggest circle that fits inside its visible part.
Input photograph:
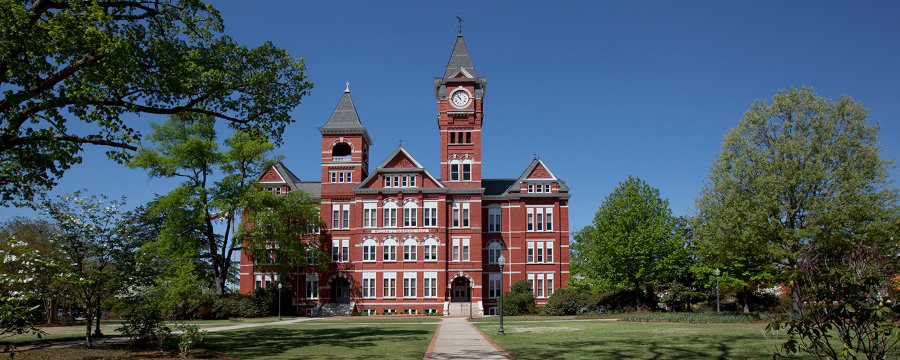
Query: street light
(279, 301)
(502, 261)
(470, 299)
(718, 272)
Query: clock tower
(459, 94)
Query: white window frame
(550, 284)
(389, 249)
(370, 214)
(312, 286)
(466, 170)
(410, 215)
(409, 285)
(461, 212)
(409, 250)
(368, 285)
(429, 284)
(455, 166)
(430, 248)
(390, 215)
(389, 285)
(495, 222)
(494, 251)
(429, 213)
(370, 254)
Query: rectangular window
(390, 285)
(409, 252)
(454, 171)
(464, 217)
(546, 188)
(409, 217)
(549, 252)
(465, 250)
(456, 207)
(312, 286)
(430, 216)
(539, 286)
(390, 252)
(390, 217)
(494, 286)
(453, 137)
(369, 252)
(466, 172)
(530, 187)
(549, 285)
(531, 282)
(429, 284)
(430, 252)
(540, 252)
(549, 219)
(539, 219)
(494, 219)
(529, 220)
(468, 137)
(345, 216)
(403, 181)
(369, 214)
(409, 285)
(343, 176)
(345, 250)
(336, 216)
(335, 250)
(368, 288)
(530, 258)
(456, 245)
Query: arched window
(494, 250)
(431, 245)
(410, 214)
(390, 214)
(466, 170)
(390, 249)
(454, 170)
(369, 249)
(341, 152)
(409, 249)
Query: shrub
(564, 302)
(191, 337)
(519, 300)
(144, 324)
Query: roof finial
(348, 87)
(460, 25)
(401, 142)
(535, 156)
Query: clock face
(460, 98)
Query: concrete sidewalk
(458, 339)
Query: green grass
(317, 341)
(617, 340)
(375, 320)
(709, 318)
(496, 319)
(60, 333)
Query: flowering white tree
(19, 293)
(92, 248)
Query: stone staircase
(462, 309)
(330, 309)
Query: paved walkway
(458, 339)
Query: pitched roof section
(460, 61)
(399, 159)
(313, 188)
(536, 171)
(345, 120)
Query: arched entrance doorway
(460, 290)
(340, 291)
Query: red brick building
(403, 240)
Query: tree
(94, 251)
(19, 273)
(274, 227)
(34, 241)
(800, 175)
(633, 242)
(201, 215)
(519, 300)
(95, 62)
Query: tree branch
(48, 83)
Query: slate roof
(345, 120)
(459, 58)
(496, 186)
(313, 188)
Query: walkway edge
(500, 349)
(434, 338)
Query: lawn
(325, 341)
(618, 340)
(61, 333)
(496, 319)
(376, 320)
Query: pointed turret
(460, 69)
(345, 120)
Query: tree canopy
(632, 243)
(799, 175)
(72, 72)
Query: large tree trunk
(87, 331)
(795, 299)
(746, 300)
(637, 296)
(50, 310)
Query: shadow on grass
(329, 341)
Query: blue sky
(598, 90)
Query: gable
(400, 162)
(539, 172)
(271, 175)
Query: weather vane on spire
(460, 25)
(348, 87)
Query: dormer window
(341, 152)
(399, 181)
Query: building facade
(401, 240)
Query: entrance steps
(462, 309)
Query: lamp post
(718, 272)
(502, 261)
(470, 299)
(279, 301)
